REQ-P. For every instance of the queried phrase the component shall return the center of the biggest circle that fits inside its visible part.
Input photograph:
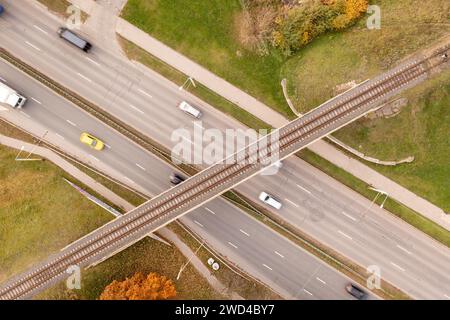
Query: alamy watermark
(74, 280)
(374, 279)
(374, 20)
(73, 21)
(213, 146)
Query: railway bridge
(215, 180)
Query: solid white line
(70, 122)
(306, 190)
(345, 235)
(137, 109)
(129, 179)
(60, 136)
(93, 61)
(198, 223)
(348, 216)
(293, 203)
(210, 210)
(84, 77)
(318, 279)
(32, 45)
(308, 292)
(35, 100)
(108, 146)
(143, 92)
(397, 266)
(265, 265)
(42, 30)
(25, 114)
(401, 248)
(141, 167)
(276, 252)
(3, 80)
(93, 157)
(244, 232)
(232, 244)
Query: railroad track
(218, 178)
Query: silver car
(270, 200)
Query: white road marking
(210, 210)
(3, 80)
(141, 167)
(143, 92)
(448, 297)
(265, 265)
(345, 235)
(93, 157)
(25, 114)
(199, 224)
(348, 216)
(232, 244)
(320, 280)
(293, 203)
(403, 249)
(32, 45)
(71, 123)
(137, 109)
(397, 266)
(60, 136)
(279, 254)
(40, 29)
(129, 179)
(93, 61)
(244, 232)
(304, 189)
(107, 145)
(308, 292)
(84, 77)
(35, 100)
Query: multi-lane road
(313, 202)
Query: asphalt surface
(327, 211)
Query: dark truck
(74, 39)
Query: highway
(294, 275)
(375, 239)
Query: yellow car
(92, 141)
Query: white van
(190, 110)
(270, 200)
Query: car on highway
(270, 200)
(176, 178)
(74, 39)
(356, 291)
(92, 141)
(190, 110)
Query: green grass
(422, 130)
(35, 219)
(205, 31)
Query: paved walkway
(257, 108)
(119, 201)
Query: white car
(190, 110)
(270, 200)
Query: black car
(176, 178)
(355, 291)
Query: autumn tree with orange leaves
(140, 287)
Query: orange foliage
(140, 287)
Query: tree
(140, 287)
